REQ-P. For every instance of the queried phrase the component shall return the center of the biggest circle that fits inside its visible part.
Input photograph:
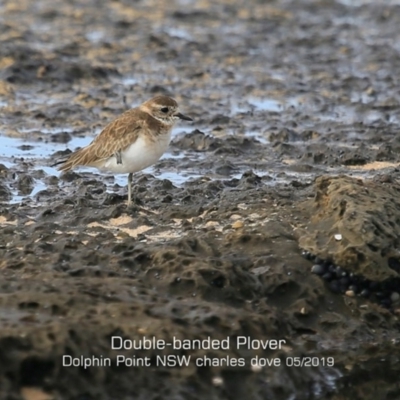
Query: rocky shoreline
(273, 219)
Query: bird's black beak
(181, 116)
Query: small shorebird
(132, 142)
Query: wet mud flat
(264, 246)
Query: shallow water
(284, 96)
(13, 149)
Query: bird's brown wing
(116, 136)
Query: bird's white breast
(139, 155)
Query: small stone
(31, 393)
(303, 311)
(237, 225)
(338, 237)
(370, 91)
(317, 269)
(3, 169)
(364, 293)
(350, 293)
(327, 277)
(217, 381)
(394, 297)
(256, 368)
(340, 272)
(305, 254)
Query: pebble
(332, 269)
(394, 297)
(370, 91)
(237, 225)
(364, 293)
(256, 367)
(217, 381)
(327, 277)
(338, 236)
(318, 269)
(307, 255)
(385, 293)
(340, 272)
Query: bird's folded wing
(116, 136)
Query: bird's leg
(118, 156)
(135, 207)
(130, 189)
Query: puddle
(239, 108)
(18, 147)
(40, 151)
(16, 316)
(37, 187)
(175, 178)
(312, 106)
(95, 36)
(272, 105)
(258, 136)
(277, 176)
(267, 104)
(178, 33)
(129, 80)
(13, 149)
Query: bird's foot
(137, 206)
(134, 201)
(134, 204)
(132, 207)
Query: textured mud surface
(294, 151)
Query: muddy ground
(274, 215)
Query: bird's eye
(164, 109)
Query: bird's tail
(78, 157)
(58, 163)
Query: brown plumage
(116, 136)
(133, 141)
